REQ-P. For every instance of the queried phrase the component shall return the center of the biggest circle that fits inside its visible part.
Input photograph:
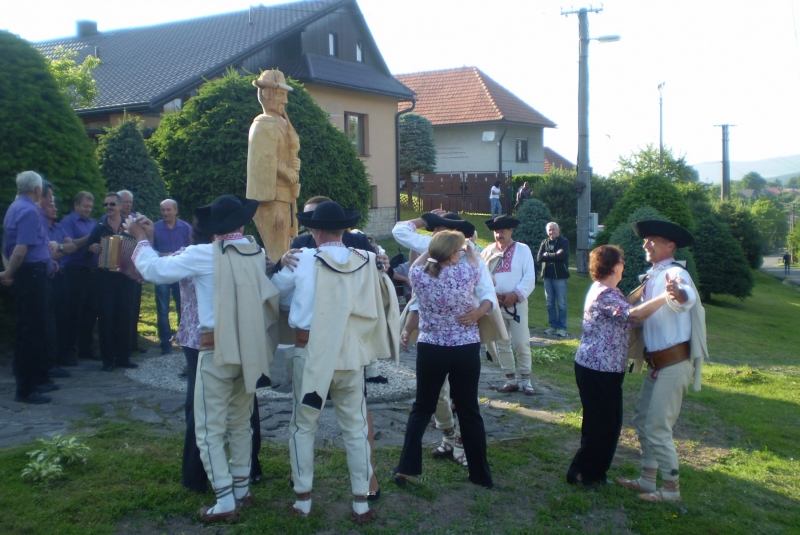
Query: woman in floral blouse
(448, 343)
(600, 363)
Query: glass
(107, 204)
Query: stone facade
(381, 221)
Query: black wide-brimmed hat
(329, 215)
(226, 214)
(664, 229)
(501, 222)
(452, 221)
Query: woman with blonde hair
(448, 343)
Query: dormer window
(359, 52)
(333, 44)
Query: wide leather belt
(667, 357)
(301, 337)
(207, 341)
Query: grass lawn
(737, 439)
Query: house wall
(348, 30)
(380, 135)
(461, 148)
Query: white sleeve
(485, 288)
(686, 284)
(284, 281)
(193, 261)
(528, 282)
(405, 233)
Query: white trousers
(350, 406)
(222, 409)
(657, 411)
(444, 414)
(520, 340)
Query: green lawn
(738, 441)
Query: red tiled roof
(466, 95)
(553, 160)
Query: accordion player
(115, 255)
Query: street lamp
(584, 170)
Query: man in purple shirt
(169, 235)
(27, 263)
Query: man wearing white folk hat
(344, 312)
(237, 307)
(674, 347)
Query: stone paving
(91, 394)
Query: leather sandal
(508, 388)
(444, 449)
(211, 518)
(246, 501)
(294, 511)
(632, 484)
(361, 520)
(658, 497)
(528, 390)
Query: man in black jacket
(554, 257)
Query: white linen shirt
(669, 325)
(405, 233)
(195, 261)
(300, 285)
(520, 278)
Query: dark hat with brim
(664, 229)
(501, 222)
(452, 221)
(329, 215)
(226, 214)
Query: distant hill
(779, 168)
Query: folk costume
(513, 271)
(344, 312)
(237, 308)
(674, 346)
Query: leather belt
(667, 357)
(207, 340)
(301, 338)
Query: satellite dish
(488, 135)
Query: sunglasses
(107, 204)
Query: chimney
(86, 28)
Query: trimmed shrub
(651, 190)
(202, 150)
(125, 164)
(534, 217)
(417, 149)
(635, 263)
(721, 261)
(741, 225)
(38, 128)
(558, 192)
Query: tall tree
(606, 192)
(721, 261)
(534, 217)
(771, 222)
(646, 162)
(755, 182)
(742, 226)
(557, 191)
(74, 79)
(125, 163)
(38, 128)
(417, 149)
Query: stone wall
(381, 221)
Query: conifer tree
(721, 262)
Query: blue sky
(723, 62)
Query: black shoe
(143, 350)
(90, 356)
(374, 496)
(130, 365)
(34, 398)
(380, 379)
(107, 368)
(56, 371)
(68, 362)
(255, 480)
(47, 387)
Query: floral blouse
(606, 330)
(443, 299)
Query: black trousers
(83, 309)
(30, 343)
(137, 311)
(57, 319)
(463, 363)
(194, 474)
(114, 316)
(601, 397)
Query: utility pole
(661, 124)
(726, 163)
(584, 170)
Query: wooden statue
(273, 168)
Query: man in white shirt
(670, 352)
(511, 264)
(236, 340)
(336, 308)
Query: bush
(125, 164)
(38, 128)
(721, 262)
(417, 149)
(741, 225)
(649, 190)
(635, 264)
(534, 217)
(202, 150)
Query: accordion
(115, 255)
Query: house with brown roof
(553, 160)
(325, 44)
(478, 125)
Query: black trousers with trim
(30, 343)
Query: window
(359, 52)
(355, 125)
(333, 44)
(522, 150)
